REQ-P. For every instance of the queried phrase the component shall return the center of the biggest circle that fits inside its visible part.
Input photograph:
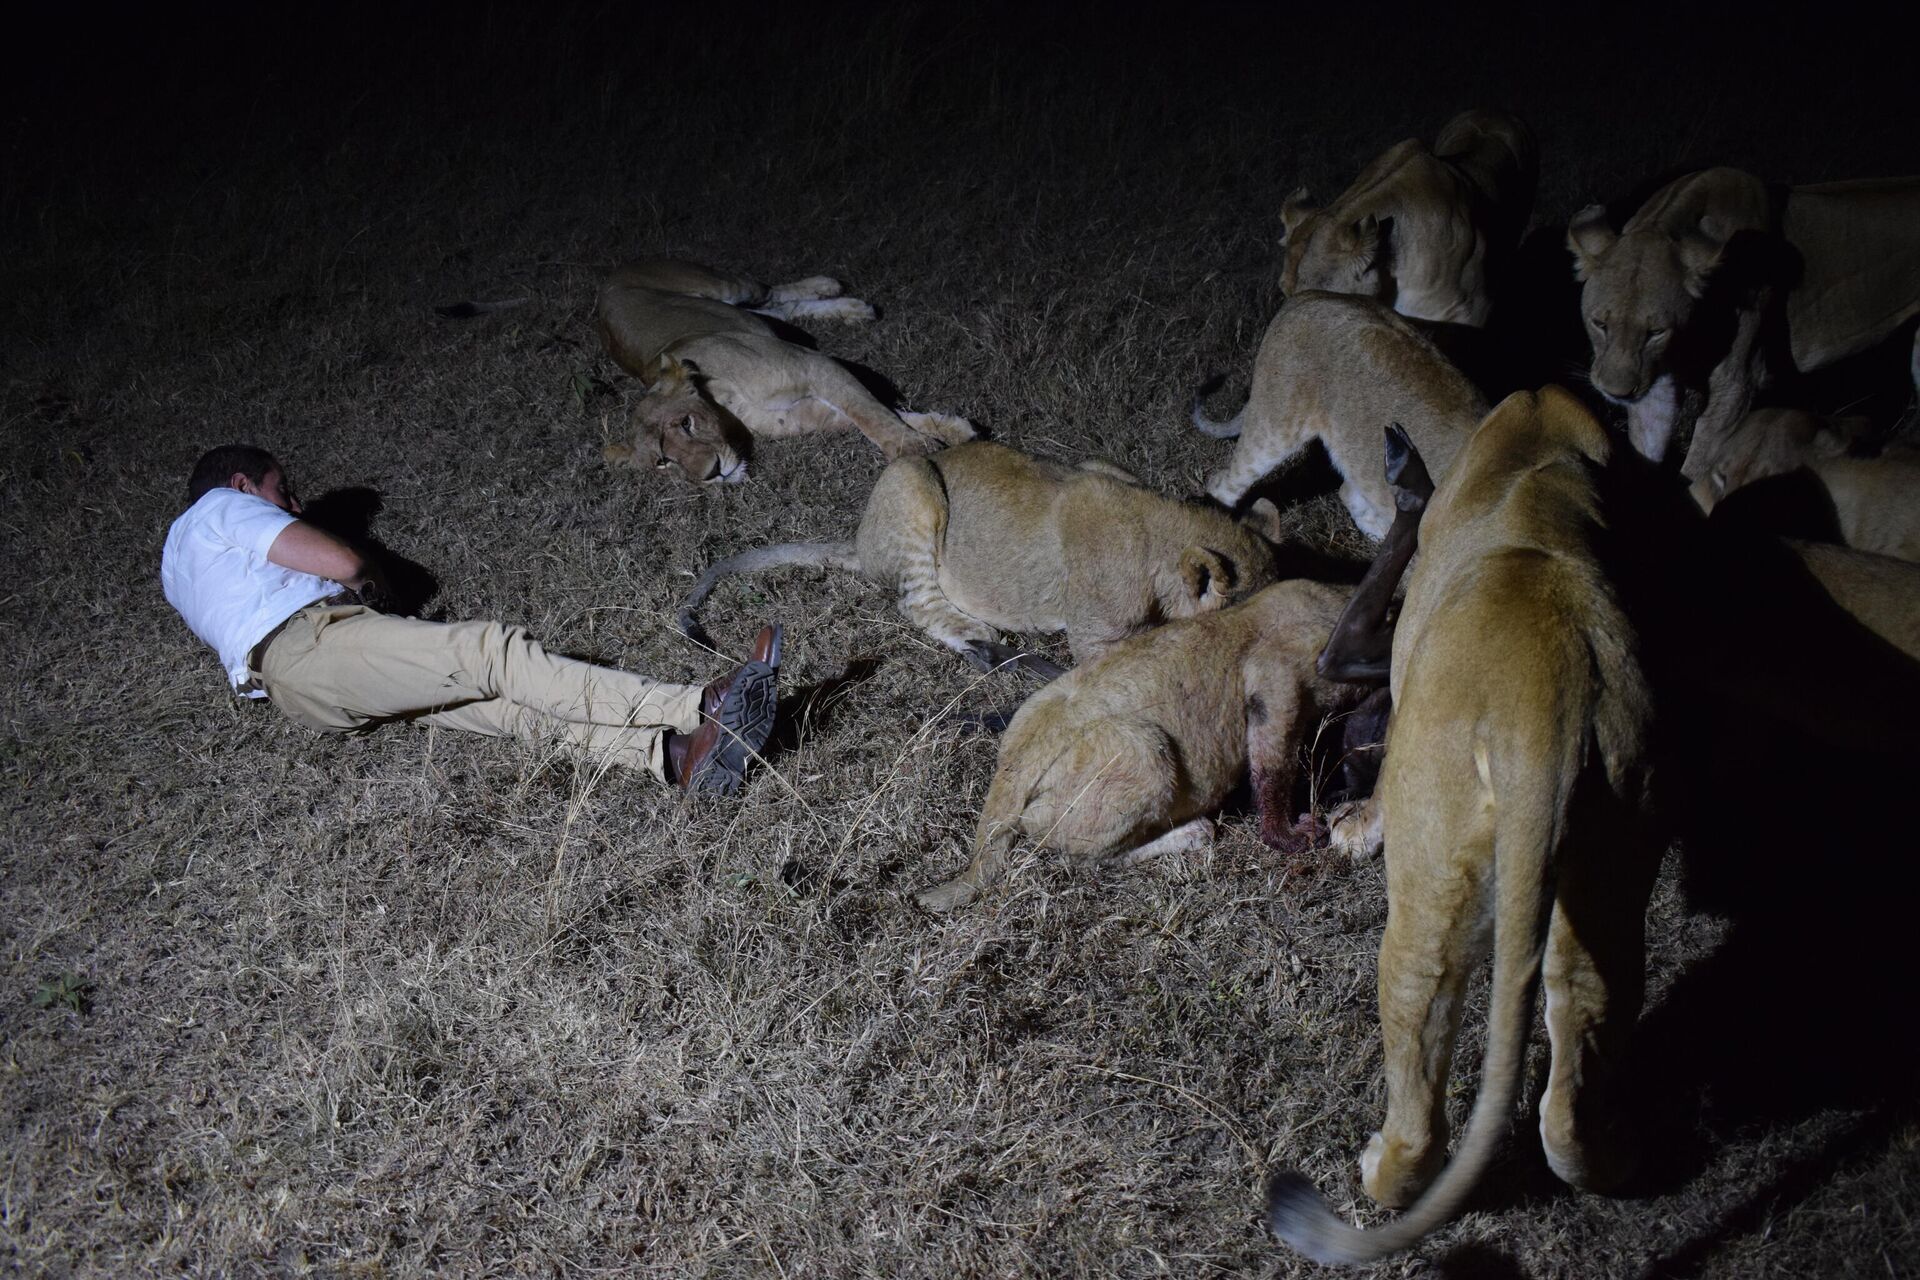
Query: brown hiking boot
(766, 649)
(739, 711)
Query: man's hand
(374, 592)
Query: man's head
(245, 467)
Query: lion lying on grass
(716, 372)
(981, 539)
(1124, 758)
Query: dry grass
(419, 1003)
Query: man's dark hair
(217, 466)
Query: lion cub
(1125, 757)
(1339, 369)
(981, 539)
(1418, 229)
(1514, 800)
(716, 372)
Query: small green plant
(69, 991)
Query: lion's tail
(829, 555)
(1228, 430)
(1529, 809)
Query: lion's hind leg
(1439, 840)
(806, 289)
(1267, 442)
(898, 544)
(851, 310)
(1105, 796)
(814, 298)
(1594, 976)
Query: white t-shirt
(215, 572)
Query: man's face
(274, 487)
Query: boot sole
(746, 722)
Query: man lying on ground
(289, 609)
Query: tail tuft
(1300, 1218)
(1227, 430)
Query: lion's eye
(1598, 324)
(1654, 335)
(686, 425)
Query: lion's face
(1332, 256)
(1641, 291)
(1632, 314)
(678, 429)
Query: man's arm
(307, 548)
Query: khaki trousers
(345, 668)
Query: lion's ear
(1700, 257)
(1589, 236)
(1208, 577)
(1263, 518)
(1295, 210)
(672, 374)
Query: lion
(1338, 369)
(717, 373)
(981, 539)
(1515, 801)
(1720, 283)
(1871, 502)
(1419, 229)
(1124, 758)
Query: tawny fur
(1876, 500)
(717, 373)
(981, 539)
(1513, 801)
(1339, 370)
(1881, 593)
(1128, 755)
(1418, 228)
(1846, 276)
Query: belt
(258, 654)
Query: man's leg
(347, 668)
(640, 746)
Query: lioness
(1418, 228)
(981, 539)
(1874, 501)
(1513, 798)
(715, 371)
(1338, 369)
(1125, 757)
(1719, 282)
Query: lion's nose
(1619, 387)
